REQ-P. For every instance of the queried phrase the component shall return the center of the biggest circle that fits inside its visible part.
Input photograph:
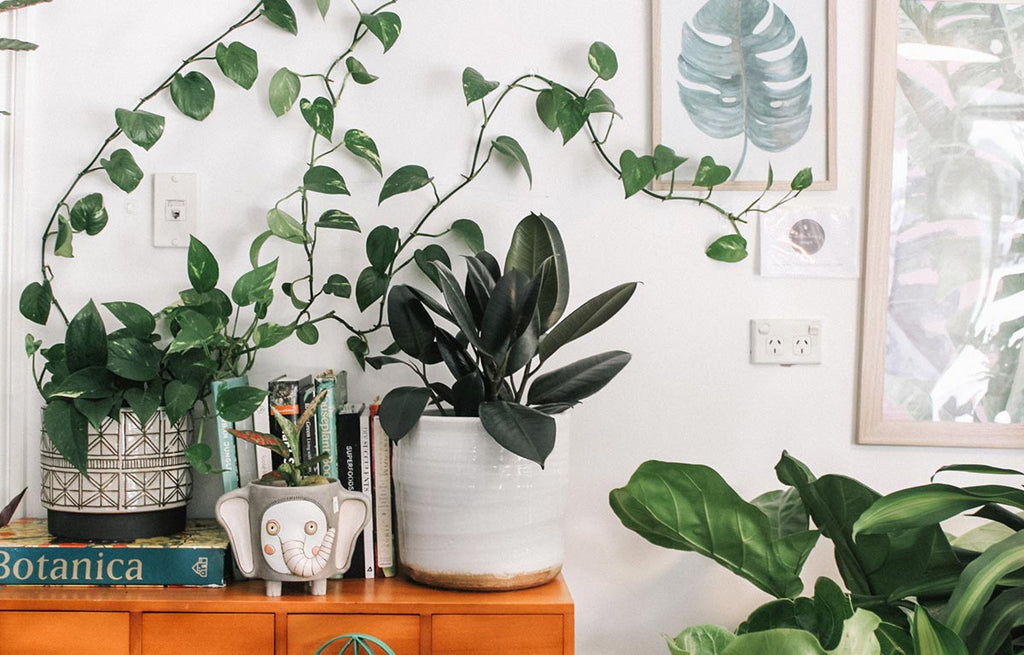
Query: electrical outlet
(785, 341)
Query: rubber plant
(925, 592)
(505, 324)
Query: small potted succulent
(293, 525)
(483, 470)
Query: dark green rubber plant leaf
(535, 240)
(732, 82)
(521, 430)
(401, 409)
(588, 316)
(582, 379)
(690, 507)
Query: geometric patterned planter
(138, 484)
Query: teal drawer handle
(360, 644)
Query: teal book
(196, 557)
(227, 448)
(326, 423)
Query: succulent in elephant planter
(480, 487)
(293, 525)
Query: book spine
(226, 446)
(326, 417)
(366, 463)
(123, 565)
(385, 542)
(351, 469)
(264, 456)
(309, 441)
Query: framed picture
(944, 269)
(749, 82)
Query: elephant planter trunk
(293, 534)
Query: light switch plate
(175, 198)
(785, 341)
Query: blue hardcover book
(29, 555)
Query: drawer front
(210, 634)
(486, 634)
(40, 633)
(307, 632)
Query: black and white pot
(137, 482)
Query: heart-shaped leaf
(90, 383)
(598, 102)
(730, 248)
(709, 174)
(324, 179)
(203, 271)
(179, 397)
(381, 247)
(282, 225)
(338, 285)
(602, 60)
(193, 94)
(637, 172)
(239, 63)
(469, 231)
(122, 170)
(239, 403)
(547, 110)
(384, 25)
(68, 429)
(254, 285)
(666, 160)
(475, 86)
(405, 179)
(358, 72)
(370, 287)
(509, 147)
(280, 13)
(335, 219)
(141, 127)
(425, 258)
(88, 214)
(319, 115)
(139, 320)
(133, 359)
(284, 91)
(35, 302)
(267, 335)
(86, 339)
(361, 145)
(802, 180)
(145, 400)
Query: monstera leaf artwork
(743, 73)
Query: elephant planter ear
(233, 513)
(353, 515)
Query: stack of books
(359, 456)
(192, 558)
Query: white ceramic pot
(472, 515)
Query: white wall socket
(785, 341)
(174, 209)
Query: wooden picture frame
(693, 111)
(943, 300)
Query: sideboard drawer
(173, 633)
(307, 632)
(41, 633)
(483, 634)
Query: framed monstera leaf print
(749, 82)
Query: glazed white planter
(472, 515)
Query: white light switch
(174, 209)
(785, 341)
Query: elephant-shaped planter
(293, 534)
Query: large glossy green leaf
(122, 170)
(86, 339)
(381, 247)
(785, 511)
(978, 581)
(637, 171)
(929, 504)
(361, 145)
(239, 63)
(587, 317)
(139, 320)
(730, 85)
(68, 429)
(89, 383)
(280, 13)
(142, 128)
(385, 25)
(319, 115)
(509, 147)
(511, 306)
(598, 102)
(193, 94)
(194, 331)
(405, 179)
(571, 384)
(521, 430)
(690, 507)
(239, 403)
(338, 285)
(458, 305)
(324, 179)
(133, 358)
(535, 240)
(284, 91)
(700, 640)
(253, 286)
(858, 638)
(203, 271)
(411, 325)
(932, 637)
(602, 60)
(35, 302)
(371, 285)
(475, 86)
(401, 409)
(1001, 615)
(145, 400)
(267, 335)
(894, 640)
(88, 214)
(179, 397)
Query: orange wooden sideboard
(239, 618)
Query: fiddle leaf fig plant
(926, 591)
(498, 329)
(292, 471)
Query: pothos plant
(911, 587)
(293, 471)
(506, 322)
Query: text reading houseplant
(480, 487)
(294, 524)
(911, 588)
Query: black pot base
(115, 527)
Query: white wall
(689, 394)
